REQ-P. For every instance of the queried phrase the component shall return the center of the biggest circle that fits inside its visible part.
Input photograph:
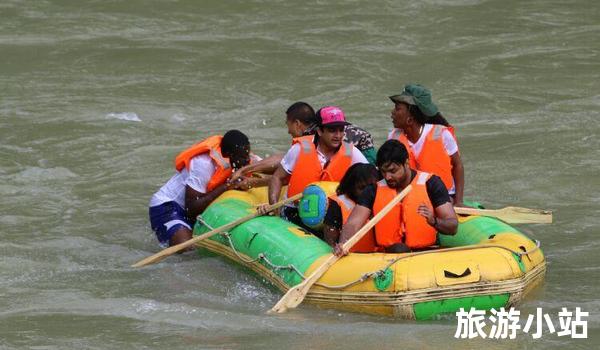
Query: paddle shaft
(511, 215)
(176, 248)
(295, 295)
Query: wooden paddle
(295, 295)
(511, 215)
(176, 248)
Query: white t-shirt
(448, 140)
(202, 168)
(197, 177)
(291, 157)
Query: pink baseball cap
(331, 116)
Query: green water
(97, 97)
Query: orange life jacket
(433, 157)
(403, 223)
(308, 169)
(367, 243)
(212, 145)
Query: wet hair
(392, 151)
(303, 112)
(358, 174)
(234, 142)
(423, 119)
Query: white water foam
(128, 116)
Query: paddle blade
(291, 299)
(511, 215)
(527, 216)
(295, 295)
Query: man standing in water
(202, 173)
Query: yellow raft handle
(527, 252)
(449, 274)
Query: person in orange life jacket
(413, 223)
(428, 137)
(322, 157)
(202, 173)
(356, 179)
(301, 120)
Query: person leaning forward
(413, 223)
(428, 137)
(320, 157)
(202, 175)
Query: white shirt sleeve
(291, 157)
(358, 157)
(449, 142)
(201, 171)
(255, 158)
(393, 133)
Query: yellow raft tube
(487, 264)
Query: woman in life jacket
(340, 206)
(428, 137)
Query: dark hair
(358, 174)
(438, 119)
(423, 119)
(303, 112)
(392, 151)
(233, 142)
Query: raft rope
(366, 276)
(519, 254)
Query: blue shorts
(166, 219)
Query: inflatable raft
(487, 264)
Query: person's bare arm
(279, 179)
(246, 183)
(267, 166)
(331, 235)
(446, 221)
(196, 202)
(358, 217)
(443, 218)
(458, 173)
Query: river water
(97, 97)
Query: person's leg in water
(170, 224)
(181, 235)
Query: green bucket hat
(417, 95)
